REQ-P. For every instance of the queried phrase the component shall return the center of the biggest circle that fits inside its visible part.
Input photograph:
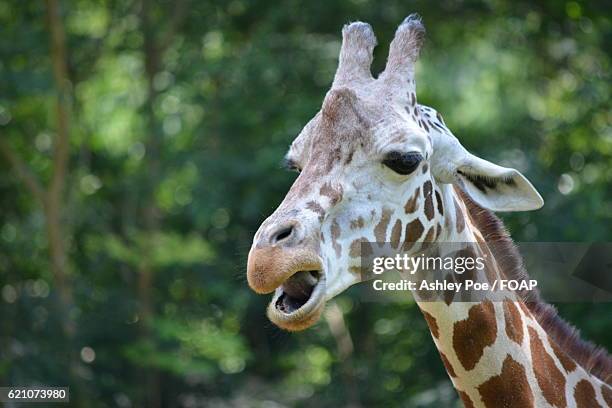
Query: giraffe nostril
(282, 234)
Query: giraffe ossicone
(376, 166)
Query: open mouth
(298, 302)
(297, 290)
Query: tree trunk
(51, 199)
(53, 203)
(54, 196)
(54, 199)
(150, 211)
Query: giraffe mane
(592, 358)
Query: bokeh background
(140, 143)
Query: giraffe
(376, 166)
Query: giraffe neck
(497, 353)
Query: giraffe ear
(494, 187)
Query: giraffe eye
(402, 163)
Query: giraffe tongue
(300, 285)
(297, 289)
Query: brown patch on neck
(414, 229)
(595, 360)
(431, 233)
(396, 233)
(550, 379)
(449, 295)
(509, 389)
(449, 367)
(472, 335)
(606, 391)
(439, 202)
(429, 207)
(410, 206)
(467, 401)
(514, 322)
(432, 323)
(568, 364)
(584, 394)
(380, 230)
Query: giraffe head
(370, 165)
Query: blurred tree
(52, 197)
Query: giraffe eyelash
(290, 165)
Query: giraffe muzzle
(298, 281)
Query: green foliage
(174, 162)
(157, 249)
(191, 347)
